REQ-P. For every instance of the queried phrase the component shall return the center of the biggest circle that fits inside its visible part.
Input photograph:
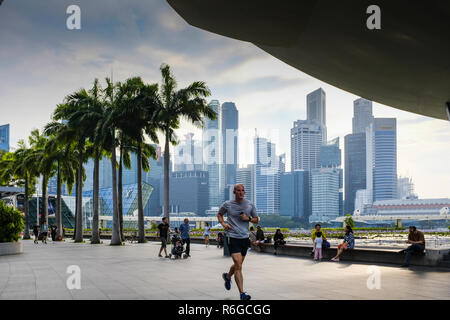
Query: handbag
(325, 244)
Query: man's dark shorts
(163, 242)
(239, 245)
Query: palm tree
(108, 131)
(44, 164)
(173, 105)
(64, 155)
(136, 111)
(14, 170)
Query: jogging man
(239, 213)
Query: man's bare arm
(225, 225)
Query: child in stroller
(177, 247)
(220, 240)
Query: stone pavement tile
(53, 295)
(17, 296)
(124, 296)
(88, 294)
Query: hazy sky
(41, 61)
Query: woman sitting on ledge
(278, 240)
(349, 243)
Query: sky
(41, 62)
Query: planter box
(10, 248)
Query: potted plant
(11, 225)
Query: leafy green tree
(348, 220)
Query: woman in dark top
(36, 232)
(278, 239)
(347, 244)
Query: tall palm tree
(14, 170)
(108, 129)
(136, 111)
(65, 157)
(73, 112)
(173, 105)
(44, 164)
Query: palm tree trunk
(44, 200)
(79, 219)
(119, 195)
(26, 231)
(166, 177)
(76, 205)
(95, 232)
(140, 205)
(59, 224)
(115, 238)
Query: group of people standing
(43, 230)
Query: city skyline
(269, 94)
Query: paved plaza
(133, 271)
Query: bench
(431, 257)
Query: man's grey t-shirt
(233, 209)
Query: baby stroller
(220, 240)
(177, 249)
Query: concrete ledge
(431, 257)
(7, 248)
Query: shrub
(11, 223)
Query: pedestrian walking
(184, 229)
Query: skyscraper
(229, 128)
(189, 192)
(362, 115)
(245, 176)
(294, 194)
(355, 168)
(385, 160)
(316, 110)
(212, 155)
(306, 139)
(330, 157)
(4, 137)
(188, 155)
(267, 178)
(155, 178)
(325, 194)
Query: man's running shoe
(227, 281)
(245, 296)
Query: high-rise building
(245, 176)
(355, 168)
(325, 194)
(306, 139)
(405, 188)
(188, 154)
(267, 177)
(294, 194)
(229, 128)
(212, 155)
(316, 110)
(4, 137)
(189, 192)
(385, 159)
(330, 154)
(362, 115)
(330, 157)
(155, 178)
